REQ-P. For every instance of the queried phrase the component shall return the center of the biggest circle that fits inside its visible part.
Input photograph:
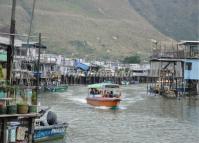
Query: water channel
(141, 118)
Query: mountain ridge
(89, 28)
(178, 19)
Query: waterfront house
(191, 70)
(168, 73)
(166, 70)
(177, 70)
(191, 65)
(4, 44)
(48, 65)
(25, 57)
(191, 75)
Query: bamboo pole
(10, 50)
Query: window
(188, 66)
(195, 51)
(52, 68)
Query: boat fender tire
(51, 118)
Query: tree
(135, 59)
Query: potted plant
(22, 108)
(33, 107)
(11, 104)
(11, 109)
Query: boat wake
(110, 108)
(78, 100)
(122, 108)
(133, 100)
(102, 107)
(129, 101)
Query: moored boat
(104, 94)
(56, 88)
(50, 132)
(125, 82)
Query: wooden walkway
(29, 118)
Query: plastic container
(22, 108)
(29, 96)
(32, 109)
(2, 109)
(12, 126)
(2, 94)
(11, 109)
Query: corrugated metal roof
(189, 43)
(33, 45)
(167, 60)
(19, 43)
(6, 41)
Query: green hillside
(85, 28)
(178, 19)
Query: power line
(31, 20)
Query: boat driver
(111, 94)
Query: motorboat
(104, 94)
(49, 129)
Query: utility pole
(30, 28)
(38, 68)
(10, 50)
(38, 61)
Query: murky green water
(141, 118)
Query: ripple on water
(145, 119)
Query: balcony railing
(175, 54)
